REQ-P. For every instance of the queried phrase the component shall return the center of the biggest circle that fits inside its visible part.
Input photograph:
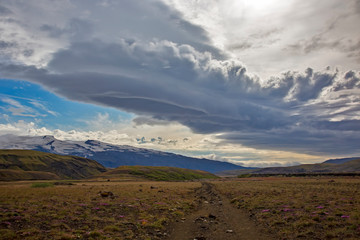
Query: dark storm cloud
(6, 44)
(172, 82)
(143, 57)
(146, 21)
(4, 11)
(310, 141)
(77, 29)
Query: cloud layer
(172, 82)
(176, 75)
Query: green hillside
(156, 173)
(28, 164)
(13, 175)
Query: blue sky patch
(21, 100)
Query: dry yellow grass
(300, 208)
(140, 209)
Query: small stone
(211, 216)
(229, 231)
(206, 202)
(200, 238)
(106, 194)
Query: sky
(257, 83)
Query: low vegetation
(130, 202)
(300, 208)
(92, 210)
(157, 173)
(15, 175)
(28, 165)
(289, 208)
(42, 185)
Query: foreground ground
(267, 208)
(215, 218)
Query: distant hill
(156, 173)
(341, 160)
(28, 164)
(113, 155)
(14, 175)
(349, 166)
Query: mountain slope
(156, 173)
(113, 155)
(38, 165)
(350, 166)
(341, 160)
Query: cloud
(5, 11)
(25, 107)
(170, 140)
(260, 33)
(172, 82)
(45, 27)
(150, 121)
(76, 29)
(264, 164)
(309, 141)
(17, 109)
(164, 65)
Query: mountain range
(36, 165)
(113, 156)
(342, 165)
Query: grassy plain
(289, 208)
(137, 210)
(155, 173)
(300, 208)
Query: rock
(200, 238)
(106, 194)
(201, 219)
(229, 231)
(211, 216)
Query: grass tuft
(42, 185)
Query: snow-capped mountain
(112, 155)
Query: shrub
(42, 185)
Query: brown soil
(215, 219)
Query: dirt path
(216, 219)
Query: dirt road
(215, 219)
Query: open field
(137, 210)
(278, 208)
(300, 208)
